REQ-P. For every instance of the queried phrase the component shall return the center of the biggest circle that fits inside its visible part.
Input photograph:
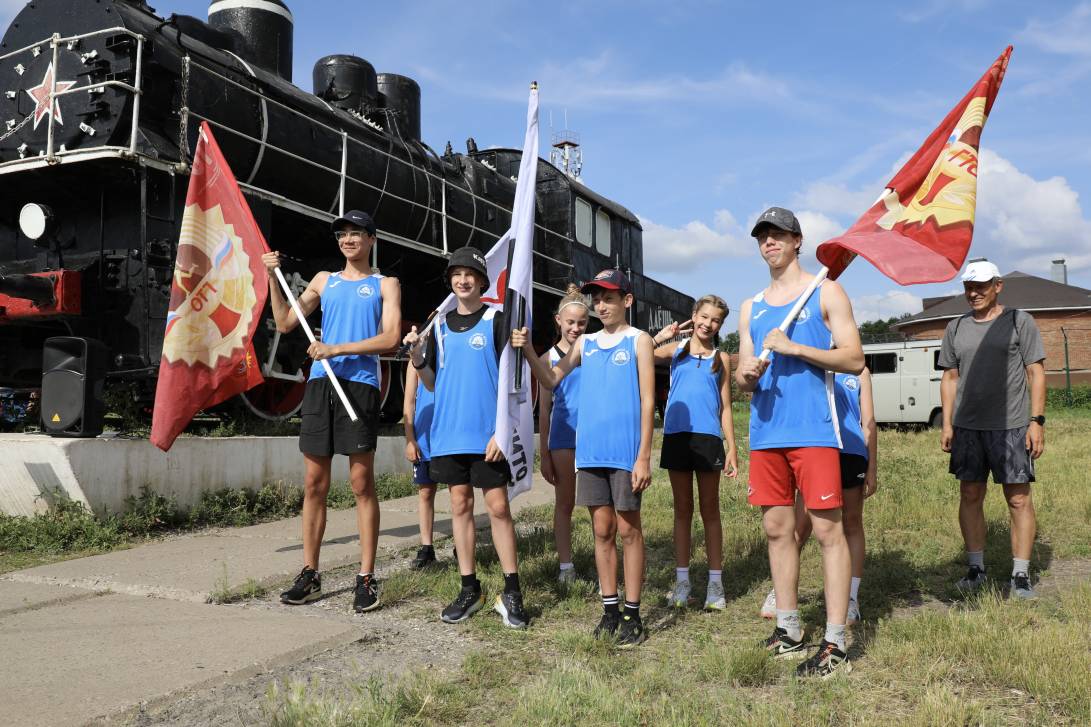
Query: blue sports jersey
(693, 404)
(792, 405)
(846, 392)
(466, 384)
(422, 419)
(562, 418)
(352, 310)
(608, 430)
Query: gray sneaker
(973, 580)
(1021, 588)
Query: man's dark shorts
(326, 429)
(469, 469)
(853, 471)
(975, 453)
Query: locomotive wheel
(276, 400)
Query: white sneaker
(854, 613)
(714, 599)
(769, 608)
(567, 576)
(679, 595)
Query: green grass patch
(986, 661)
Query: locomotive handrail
(469, 192)
(71, 38)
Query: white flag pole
(310, 337)
(794, 313)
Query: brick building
(1059, 309)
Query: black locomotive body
(92, 186)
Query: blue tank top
(422, 419)
(562, 418)
(693, 404)
(608, 431)
(352, 310)
(792, 405)
(466, 384)
(846, 392)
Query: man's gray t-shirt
(991, 359)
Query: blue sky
(697, 115)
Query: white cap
(980, 271)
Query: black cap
(610, 280)
(468, 257)
(357, 218)
(780, 218)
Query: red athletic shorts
(776, 474)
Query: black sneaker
(631, 632)
(510, 607)
(367, 594)
(608, 625)
(468, 602)
(426, 556)
(828, 661)
(781, 646)
(307, 587)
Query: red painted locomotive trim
(67, 298)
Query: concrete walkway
(98, 636)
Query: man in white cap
(994, 395)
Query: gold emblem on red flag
(213, 296)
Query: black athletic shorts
(326, 429)
(975, 453)
(689, 452)
(853, 471)
(469, 469)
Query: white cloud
(680, 249)
(1069, 34)
(928, 10)
(891, 304)
(817, 228)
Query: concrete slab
(102, 472)
(15, 597)
(198, 567)
(102, 656)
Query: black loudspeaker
(73, 372)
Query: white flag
(514, 404)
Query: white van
(905, 380)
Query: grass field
(922, 656)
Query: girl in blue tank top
(418, 406)
(697, 418)
(557, 427)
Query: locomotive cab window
(602, 233)
(584, 231)
(881, 363)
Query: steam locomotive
(98, 122)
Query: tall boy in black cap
(462, 367)
(361, 318)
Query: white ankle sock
(681, 574)
(854, 589)
(1020, 566)
(976, 558)
(789, 621)
(835, 634)
(567, 566)
(715, 576)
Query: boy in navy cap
(613, 442)
(361, 318)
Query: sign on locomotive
(98, 123)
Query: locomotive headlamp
(35, 220)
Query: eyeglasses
(349, 235)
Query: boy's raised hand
(416, 350)
(271, 260)
(642, 474)
(520, 338)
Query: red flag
(216, 299)
(920, 229)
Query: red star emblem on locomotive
(40, 94)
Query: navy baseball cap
(780, 218)
(609, 280)
(355, 217)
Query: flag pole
(794, 313)
(310, 337)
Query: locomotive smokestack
(263, 29)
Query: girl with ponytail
(696, 425)
(557, 426)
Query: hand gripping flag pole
(310, 337)
(920, 228)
